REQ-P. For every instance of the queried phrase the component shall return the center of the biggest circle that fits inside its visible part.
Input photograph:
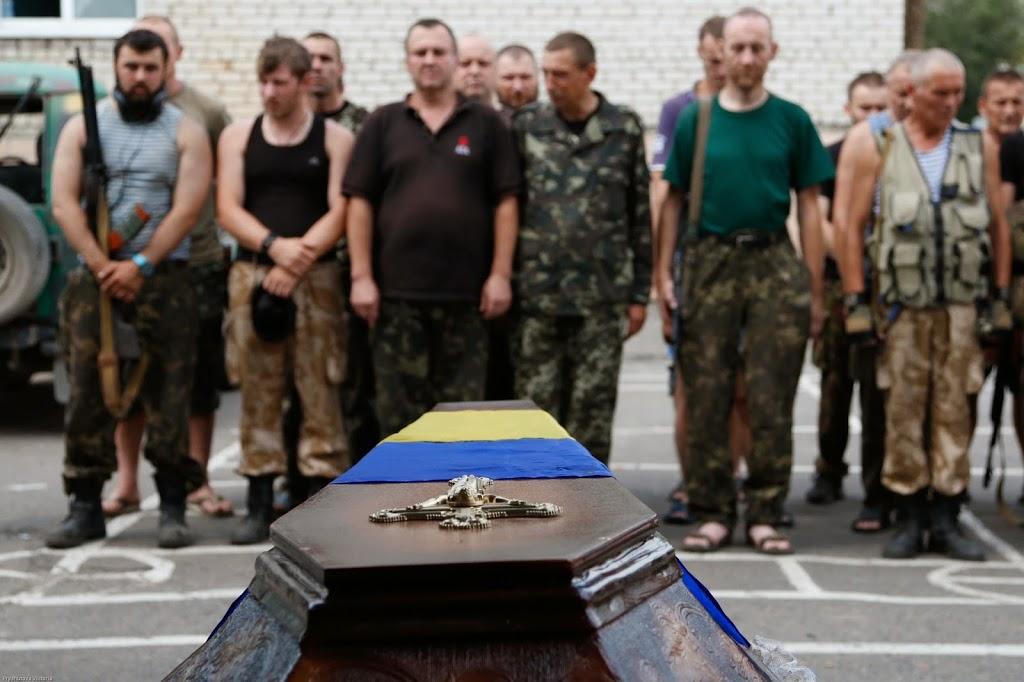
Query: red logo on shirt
(462, 147)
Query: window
(66, 18)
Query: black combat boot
(84, 521)
(316, 483)
(908, 541)
(173, 532)
(946, 536)
(255, 527)
(825, 490)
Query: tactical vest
(928, 253)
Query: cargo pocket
(970, 262)
(903, 210)
(905, 267)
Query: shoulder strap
(699, 152)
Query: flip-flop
(117, 506)
(711, 545)
(760, 548)
(212, 505)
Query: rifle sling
(697, 171)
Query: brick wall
(646, 50)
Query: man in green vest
(939, 244)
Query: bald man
(476, 77)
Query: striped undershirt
(933, 164)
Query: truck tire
(24, 256)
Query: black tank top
(286, 187)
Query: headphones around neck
(131, 112)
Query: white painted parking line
(863, 597)
(945, 575)
(211, 550)
(101, 643)
(904, 649)
(26, 487)
(796, 469)
(798, 648)
(106, 599)
(798, 576)
(856, 428)
(849, 561)
(998, 545)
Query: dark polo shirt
(433, 197)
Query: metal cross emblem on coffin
(465, 505)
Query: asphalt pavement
(121, 609)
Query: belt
(746, 239)
(251, 256)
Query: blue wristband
(144, 265)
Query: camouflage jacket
(585, 222)
(351, 116)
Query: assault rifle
(94, 181)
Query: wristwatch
(265, 244)
(145, 267)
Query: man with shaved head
(743, 280)
(327, 89)
(475, 78)
(938, 221)
(517, 78)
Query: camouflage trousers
(763, 295)
(842, 366)
(314, 356)
(210, 284)
(425, 353)
(163, 314)
(569, 366)
(931, 369)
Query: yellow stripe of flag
(486, 425)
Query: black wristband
(1003, 294)
(265, 244)
(853, 300)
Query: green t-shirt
(753, 159)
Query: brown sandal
(760, 548)
(708, 543)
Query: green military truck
(36, 100)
